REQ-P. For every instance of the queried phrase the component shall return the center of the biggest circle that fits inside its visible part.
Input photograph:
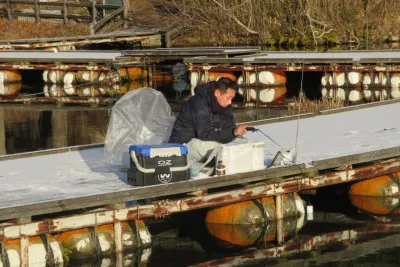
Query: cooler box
(158, 164)
(242, 156)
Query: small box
(242, 156)
(158, 164)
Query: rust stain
(46, 226)
(132, 214)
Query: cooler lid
(145, 149)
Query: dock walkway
(59, 180)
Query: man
(206, 119)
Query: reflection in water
(360, 95)
(25, 129)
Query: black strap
(259, 205)
(395, 179)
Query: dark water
(338, 235)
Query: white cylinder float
(272, 78)
(395, 80)
(355, 95)
(395, 92)
(69, 89)
(69, 77)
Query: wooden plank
(111, 16)
(357, 158)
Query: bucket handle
(153, 170)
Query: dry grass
(24, 30)
(305, 105)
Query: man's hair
(223, 84)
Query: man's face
(224, 100)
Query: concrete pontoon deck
(73, 178)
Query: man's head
(225, 91)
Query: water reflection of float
(378, 197)
(358, 95)
(316, 249)
(10, 83)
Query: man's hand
(240, 130)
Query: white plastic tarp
(142, 116)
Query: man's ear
(217, 92)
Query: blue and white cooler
(158, 164)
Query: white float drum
(354, 78)
(69, 77)
(326, 80)
(271, 78)
(368, 94)
(379, 79)
(274, 95)
(367, 79)
(324, 92)
(88, 91)
(380, 94)
(87, 76)
(55, 90)
(339, 94)
(252, 79)
(351, 78)
(355, 96)
(69, 89)
(55, 76)
(395, 92)
(395, 80)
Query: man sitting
(206, 119)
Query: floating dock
(265, 79)
(336, 146)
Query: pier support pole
(279, 219)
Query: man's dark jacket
(197, 119)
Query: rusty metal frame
(161, 208)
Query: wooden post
(65, 12)
(125, 14)
(9, 10)
(279, 219)
(94, 12)
(37, 11)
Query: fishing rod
(253, 129)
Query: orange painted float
(255, 211)
(133, 73)
(214, 76)
(10, 89)
(380, 208)
(387, 185)
(10, 76)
